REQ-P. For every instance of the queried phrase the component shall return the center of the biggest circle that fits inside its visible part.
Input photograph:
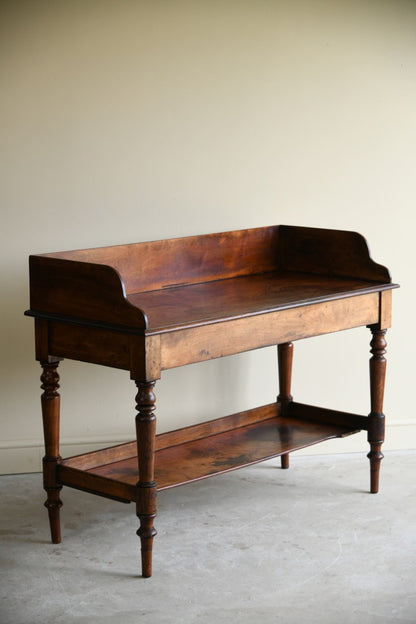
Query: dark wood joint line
(376, 428)
(50, 471)
(147, 498)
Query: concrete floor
(259, 545)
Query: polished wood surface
(228, 299)
(206, 450)
(220, 339)
(151, 306)
(100, 284)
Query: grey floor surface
(259, 545)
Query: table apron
(197, 344)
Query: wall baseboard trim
(19, 456)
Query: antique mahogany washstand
(147, 307)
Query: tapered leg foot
(146, 533)
(53, 504)
(375, 456)
(284, 461)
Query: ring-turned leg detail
(285, 358)
(50, 401)
(376, 417)
(146, 504)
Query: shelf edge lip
(94, 484)
(324, 415)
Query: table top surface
(227, 299)
(162, 286)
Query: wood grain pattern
(199, 456)
(220, 339)
(222, 300)
(63, 288)
(385, 309)
(165, 263)
(328, 252)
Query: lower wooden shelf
(208, 449)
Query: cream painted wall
(128, 121)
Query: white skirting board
(23, 457)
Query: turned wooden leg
(146, 486)
(50, 401)
(285, 358)
(376, 417)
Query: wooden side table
(148, 307)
